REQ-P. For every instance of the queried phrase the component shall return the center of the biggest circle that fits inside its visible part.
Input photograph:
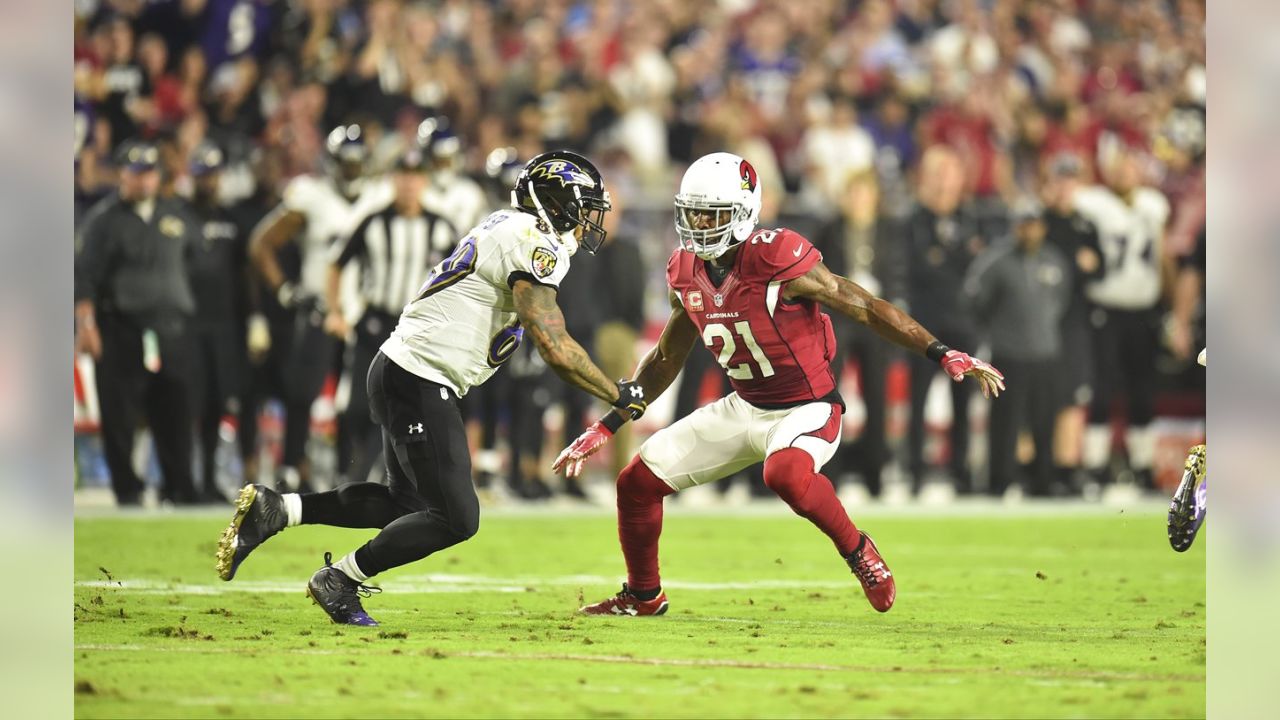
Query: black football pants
(128, 392)
(429, 502)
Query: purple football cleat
(1189, 504)
(339, 596)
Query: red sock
(790, 474)
(640, 494)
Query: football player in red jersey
(753, 298)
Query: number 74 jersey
(776, 353)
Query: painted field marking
(680, 662)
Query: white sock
(1142, 447)
(292, 508)
(1096, 448)
(349, 568)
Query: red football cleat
(877, 581)
(627, 605)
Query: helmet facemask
(584, 211)
(709, 229)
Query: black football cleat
(339, 596)
(259, 514)
(1187, 508)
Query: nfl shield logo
(718, 299)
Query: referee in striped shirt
(396, 247)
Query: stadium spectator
(865, 247)
(218, 265)
(942, 238)
(1130, 218)
(1077, 239)
(835, 147)
(133, 301)
(264, 317)
(1018, 292)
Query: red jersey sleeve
(673, 268)
(780, 255)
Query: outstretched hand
(958, 365)
(588, 443)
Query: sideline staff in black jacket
(132, 303)
(943, 238)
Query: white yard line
(673, 662)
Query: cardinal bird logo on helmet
(748, 174)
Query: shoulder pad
(778, 254)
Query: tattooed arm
(842, 295)
(659, 367)
(544, 325)
(847, 297)
(655, 373)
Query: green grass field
(1041, 614)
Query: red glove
(958, 365)
(575, 456)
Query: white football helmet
(721, 188)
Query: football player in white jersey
(1130, 219)
(316, 211)
(450, 194)
(498, 286)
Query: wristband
(612, 422)
(936, 351)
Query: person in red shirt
(967, 128)
(753, 297)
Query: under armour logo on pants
(415, 428)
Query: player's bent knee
(465, 521)
(788, 471)
(638, 482)
(466, 528)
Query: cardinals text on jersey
(463, 324)
(776, 353)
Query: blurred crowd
(1024, 176)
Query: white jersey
(330, 218)
(456, 198)
(1132, 239)
(463, 324)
